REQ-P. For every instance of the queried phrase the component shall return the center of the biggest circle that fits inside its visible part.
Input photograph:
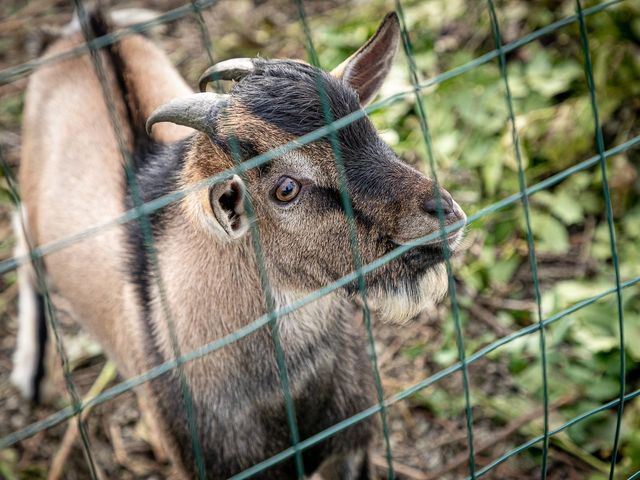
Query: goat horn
(193, 111)
(233, 69)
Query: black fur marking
(326, 199)
(405, 271)
(100, 26)
(42, 347)
(286, 94)
(365, 470)
(330, 199)
(255, 387)
(156, 174)
(240, 151)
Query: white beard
(401, 306)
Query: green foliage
(473, 147)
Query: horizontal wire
(11, 74)
(338, 427)
(163, 368)
(153, 205)
(555, 431)
(165, 200)
(260, 322)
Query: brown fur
(166, 84)
(46, 152)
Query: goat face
(297, 197)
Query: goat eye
(287, 189)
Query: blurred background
(475, 160)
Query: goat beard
(405, 302)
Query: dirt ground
(425, 445)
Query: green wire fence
(142, 210)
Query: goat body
(201, 281)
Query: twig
(508, 303)
(564, 442)
(402, 470)
(496, 438)
(486, 317)
(458, 438)
(107, 374)
(459, 460)
(118, 447)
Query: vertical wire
(145, 226)
(355, 250)
(424, 126)
(273, 318)
(204, 30)
(495, 26)
(11, 74)
(51, 315)
(264, 278)
(610, 223)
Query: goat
(72, 178)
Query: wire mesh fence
(142, 210)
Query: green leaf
(414, 351)
(552, 235)
(502, 271)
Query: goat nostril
(430, 205)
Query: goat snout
(450, 209)
(422, 218)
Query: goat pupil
(287, 189)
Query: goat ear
(227, 203)
(367, 69)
